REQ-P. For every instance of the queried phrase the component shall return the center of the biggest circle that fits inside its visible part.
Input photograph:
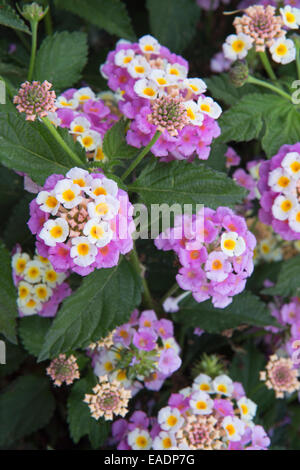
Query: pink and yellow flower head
(140, 352)
(41, 289)
(279, 186)
(215, 249)
(157, 95)
(85, 221)
(195, 419)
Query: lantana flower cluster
(109, 399)
(142, 352)
(279, 185)
(63, 369)
(215, 249)
(262, 28)
(35, 99)
(82, 221)
(40, 288)
(281, 376)
(211, 414)
(154, 82)
(87, 117)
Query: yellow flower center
(238, 45)
(167, 443)
(283, 181)
(87, 141)
(21, 264)
(244, 409)
(141, 441)
(97, 232)
(172, 420)
(100, 191)
(51, 202)
(230, 429)
(204, 387)
(23, 292)
(216, 265)
(84, 98)
(41, 292)
(290, 18)
(68, 195)
(295, 167)
(108, 366)
(201, 405)
(229, 244)
(161, 81)
(149, 91)
(83, 249)
(139, 69)
(102, 208)
(33, 272)
(174, 71)
(281, 49)
(286, 205)
(205, 107)
(148, 48)
(51, 276)
(222, 388)
(78, 128)
(56, 231)
(80, 182)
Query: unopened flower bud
(238, 73)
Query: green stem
(256, 81)
(34, 28)
(141, 155)
(266, 63)
(61, 141)
(135, 263)
(170, 292)
(48, 24)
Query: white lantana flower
(283, 51)
(236, 46)
(290, 16)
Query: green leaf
(245, 309)
(61, 59)
(9, 18)
(186, 183)
(16, 229)
(114, 142)
(110, 15)
(32, 331)
(288, 282)
(25, 406)
(217, 159)
(8, 297)
(29, 147)
(243, 121)
(282, 125)
(80, 421)
(269, 116)
(105, 300)
(222, 89)
(173, 23)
